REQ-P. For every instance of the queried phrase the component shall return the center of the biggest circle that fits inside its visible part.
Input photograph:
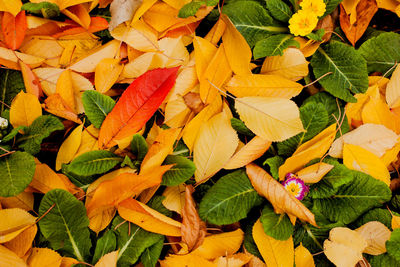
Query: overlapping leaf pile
(182, 133)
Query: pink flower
(295, 186)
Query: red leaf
(136, 106)
(14, 29)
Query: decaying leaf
(376, 234)
(314, 173)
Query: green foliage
(46, 9)
(182, 170)
(94, 162)
(275, 225)
(97, 106)
(331, 6)
(348, 67)
(239, 126)
(11, 83)
(273, 45)
(279, 10)
(383, 260)
(16, 173)
(393, 244)
(105, 244)
(229, 199)
(65, 225)
(274, 163)
(380, 215)
(190, 9)
(150, 255)
(317, 35)
(139, 146)
(156, 204)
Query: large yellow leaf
(274, 119)
(89, 140)
(360, 159)
(10, 59)
(174, 198)
(23, 200)
(376, 234)
(263, 85)
(25, 108)
(185, 81)
(108, 260)
(279, 197)
(159, 150)
(275, 253)
(378, 112)
(248, 153)
(177, 113)
(147, 218)
(312, 149)
(236, 47)
(216, 32)
(9, 258)
(303, 257)
(12, 6)
(13, 222)
(107, 73)
(292, 65)
(345, 247)
(215, 145)
(69, 147)
(204, 52)
(44, 257)
(43, 47)
(65, 89)
(314, 173)
(23, 242)
(236, 260)
(173, 52)
(393, 89)
(45, 179)
(188, 260)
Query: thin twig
(47, 211)
(326, 74)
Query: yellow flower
(302, 23)
(317, 7)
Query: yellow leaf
(307, 47)
(215, 145)
(13, 222)
(43, 47)
(388, 4)
(376, 234)
(236, 260)
(177, 113)
(107, 73)
(25, 108)
(204, 52)
(177, 4)
(108, 260)
(360, 159)
(69, 147)
(23, 200)
(147, 218)
(216, 32)
(185, 81)
(10, 59)
(350, 8)
(188, 260)
(375, 138)
(248, 153)
(263, 85)
(173, 52)
(12, 6)
(68, 262)
(345, 247)
(378, 112)
(274, 119)
(354, 110)
(45, 179)
(393, 89)
(303, 257)
(237, 49)
(395, 222)
(146, 5)
(274, 252)
(64, 88)
(89, 140)
(44, 257)
(291, 65)
(312, 149)
(391, 155)
(23, 242)
(314, 173)
(174, 198)
(9, 258)
(280, 198)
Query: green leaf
(252, 20)
(105, 244)
(94, 162)
(97, 106)
(229, 199)
(395, 202)
(132, 241)
(330, 6)
(10, 136)
(275, 225)
(380, 215)
(353, 199)
(279, 10)
(48, 10)
(381, 52)
(317, 35)
(139, 146)
(314, 118)
(248, 241)
(128, 162)
(40, 129)
(239, 126)
(182, 170)
(274, 163)
(393, 245)
(274, 45)
(190, 9)
(156, 204)
(383, 260)
(16, 173)
(11, 83)
(348, 67)
(65, 226)
(150, 256)
(79, 180)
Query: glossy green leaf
(97, 106)
(276, 225)
(94, 162)
(273, 45)
(150, 255)
(182, 170)
(105, 244)
(139, 146)
(11, 83)
(239, 126)
(393, 245)
(279, 10)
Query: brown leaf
(366, 9)
(193, 228)
(193, 101)
(279, 197)
(327, 24)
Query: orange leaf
(9, 258)
(65, 89)
(31, 81)
(14, 29)
(44, 257)
(54, 104)
(45, 179)
(23, 242)
(279, 197)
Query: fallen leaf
(189, 260)
(236, 260)
(44, 257)
(32, 84)
(14, 29)
(108, 260)
(9, 258)
(204, 52)
(10, 59)
(107, 73)
(314, 173)
(14, 222)
(393, 89)
(45, 179)
(122, 11)
(54, 104)
(13, 6)
(23, 200)
(303, 257)
(174, 198)
(395, 222)
(376, 234)
(69, 147)
(65, 90)
(21, 244)
(25, 108)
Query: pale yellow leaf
(263, 85)
(277, 195)
(236, 260)
(69, 147)
(395, 222)
(25, 108)
(174, 198)
(314, 173)
(185, 81)
(177, 113)
(13, 222)
(375, 138)
(9, 258)
(237, 49)
(215, 145)
(12, 6)
(107, 73)
(303, 257)
(44, 257)
(393, 89)
(122, 11)
(173, 52)
(10, 58)
(23, 242)
(312, 149)
(292, 65)
(188, 260)
(43, 47)
(148, 218)
(45, 179)
(274, 119)
(23, 200)
(204, 52)
(248, 153)
(108, 260)
(275, 253)
(376, 234)
(360, 159)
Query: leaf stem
(47, 211)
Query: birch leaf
(25, 108)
